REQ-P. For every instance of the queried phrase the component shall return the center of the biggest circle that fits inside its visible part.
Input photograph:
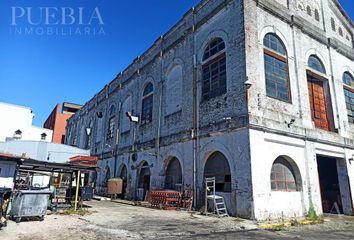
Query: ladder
(218, 201)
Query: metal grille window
(317, 15)
(309, 11)
(348, 81)
(276, 68)
(333, 24)
(282, 176)
(214, 69)
(110, 132)
(111, 122)
(75, 140)
(147, 103)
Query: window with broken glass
(110, 132)
(348, 81)
(214, 70)
(282, 176)
(147, 104)
(111, 122)
(276, 68)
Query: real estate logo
(56, 21)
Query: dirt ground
(109, 220)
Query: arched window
(214, 69)
(333, 24)
(173, 96)
(315, 63)
(340, 31)
(124, 176)
(88, 132)
(309, 11)
(111, 122)
(348, 81)
(319, 95)
(147, 104)
(173, 178)
(283, 176)
(317, 15)
(276, 68)
(144, 177)
(217, 166)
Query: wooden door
(317, 98)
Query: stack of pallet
(165, 199)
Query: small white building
(16, 123)
(42, 151)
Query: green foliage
(279, 227)
(312, 215)
(71, 211)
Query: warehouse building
(257, 93)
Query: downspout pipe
(117, 140)
(194, 132)
(157, 148)
(297, 75)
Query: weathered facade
(258, 93)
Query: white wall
(13, 118)
(42, 151)
(268, 204)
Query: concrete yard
(111, 220)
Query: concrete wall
(234, 146)
(267, 147)
(13, 118)
(271, 136)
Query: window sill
(126, 132)
(214, 99)
(179, 111)
(277, 99)
(285, 191)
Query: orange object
(115, 186)
(166, 199)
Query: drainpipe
(333, 87)
(297, 73)
(157, 148)
(301, 117)
(117, 140)
(194, 132)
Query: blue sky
(40, 70)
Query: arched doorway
(123, 175)
(217, 166)
(107, 176)
(173, 179)
(144, 178)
